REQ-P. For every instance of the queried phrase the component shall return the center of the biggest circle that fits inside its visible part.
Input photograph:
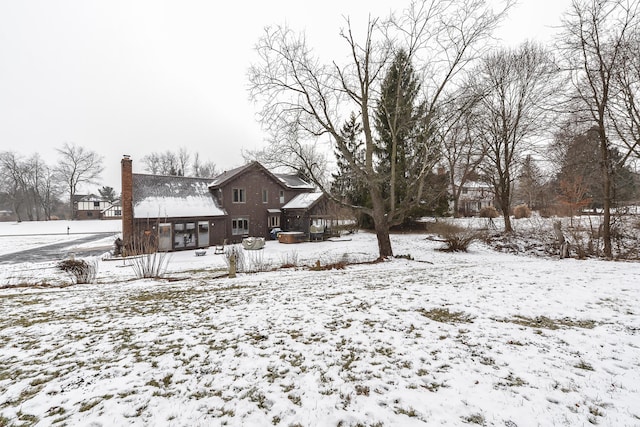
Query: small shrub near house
(521, 211)
(150, 265)
(488, 212)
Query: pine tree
(403, 145)
(345, 181)
(108, 194)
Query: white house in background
(91, 206)
(114, 211)
(474, 196)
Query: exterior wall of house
(7, 215)
(258, 193)
(475, 197)
(171, 234)
(112, 212)
(90, 209)
(302, 219)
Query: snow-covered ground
(479, 338)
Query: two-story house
(179, 213)
(474, 196)
(89, 206)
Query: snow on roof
(303, 201)
(176, 207)
(162, 196)
(474, 184)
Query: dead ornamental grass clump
(150, 265)
(489, 212)
(81, 271)
(455, 238)
(521, 211)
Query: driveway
(57, 251)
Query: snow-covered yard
(480, 338)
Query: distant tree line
(33, 190)
(179, 163)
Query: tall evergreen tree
(345, 181)
(400, 125)
(347, 185)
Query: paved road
(56, 251)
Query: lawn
(477, 338)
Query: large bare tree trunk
(382, 235)
(606, 196)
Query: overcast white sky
(133, 77)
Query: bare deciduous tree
(206, 169)
(77, 166)
(517, 87)
(183, 158)
(625, 108)
(30, 185)
(180, 163)
(593, 45)
(462, 151)
(304, 100)
(12, 181)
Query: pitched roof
(286, 180)
(227, 176)
(303, 201)
(156, 196)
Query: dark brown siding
(92, 214)
(253, 182)
(145, 227)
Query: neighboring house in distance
(89, 206)
(7, 215)
(94, 207)
(474, 196)
(114, 211)
(186, 213)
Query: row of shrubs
(520, 211)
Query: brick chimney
(127, 200)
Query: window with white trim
(265, 195)
(239, 195)
(274, 221)
(239, 226)
(281, 196)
